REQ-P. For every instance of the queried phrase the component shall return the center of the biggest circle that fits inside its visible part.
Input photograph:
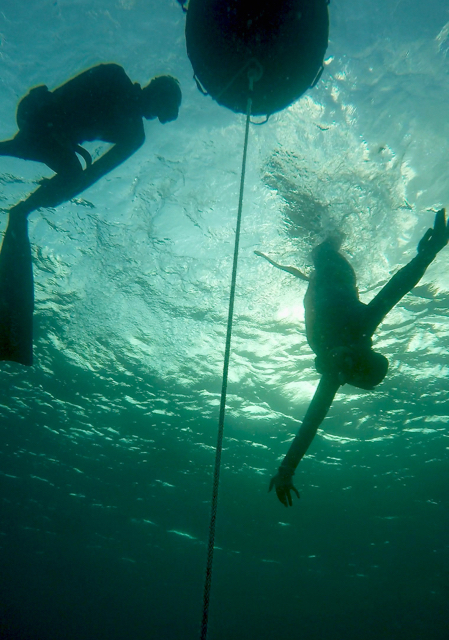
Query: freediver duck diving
(339, 330)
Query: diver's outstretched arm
(317, 411)
(63, 187)
(16, 293)
(408, 277)
(110, 160)
(293, 270)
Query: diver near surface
(102, 104)
(339, 328)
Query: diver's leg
(21, 146)
(16, 293)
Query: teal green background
(107, 442)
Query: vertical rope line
(213, 516)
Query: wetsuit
(99, 104)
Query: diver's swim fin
(16, 294)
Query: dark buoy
(287, 38)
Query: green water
(107, 443)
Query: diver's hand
(283, 484)
(49, 194)
(58, 189)
(52, 191)
(435, 239)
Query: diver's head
(369, 369)
(356, 365)
(161, 98)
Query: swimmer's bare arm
(408, 277)
(317, 411)
(294, 272)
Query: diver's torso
(334, 317)
(98, 104)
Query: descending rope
(253, 75)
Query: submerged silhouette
(102, 104)
(339, 328)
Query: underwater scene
(108, 440)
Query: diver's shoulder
(107, 69)
(104, 72)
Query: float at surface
(287, 38)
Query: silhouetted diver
(339, 328)
(99, 104)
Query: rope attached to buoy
(254, 74)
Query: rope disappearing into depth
(253, 75)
